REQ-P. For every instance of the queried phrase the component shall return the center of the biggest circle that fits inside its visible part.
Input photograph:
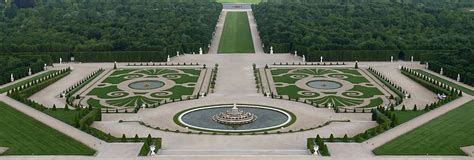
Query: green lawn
(443, 135)
(24, 135)
(464, 89)
(239, 1)
(236, 36)
(30, 79)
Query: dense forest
(107, 25)
(34, 32)
(352, 30)
(370, 26)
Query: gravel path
(419, 95)
(50, 95)
(217, 34)
(257, 43)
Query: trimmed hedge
(452, 72)
(22, 93)
(428, 83)
(87, 120)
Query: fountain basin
(201, 118)
(146, 84)
(324, 84)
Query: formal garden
(126, 88)
(390, 77)
(335, 87)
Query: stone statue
(296, 53)
(441, 71)
(391, 58)
(304, 59)
(29, 71)
(11, 77)
(60, 60)
(459, 78)
(321, 59)
(177, 53)
(45, 66)
(411, 58)
(234, 116)
(152, 150)
(271, 50)
(316, 149)
(427, 65)
(168, 59)
(200, 50)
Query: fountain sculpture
(234, 117)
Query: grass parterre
(129, 88)
(341, 87)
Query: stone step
(231, 152)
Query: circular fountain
(324, 84)
(146, 84)
(234, 118)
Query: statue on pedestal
(29, 72)
(200, 50)
(441, 71)
(271, 50)
(304, 58)
(152, 150)
(168, 59)
(11, 77)
(321, 59)
(391, 58)
(458, 78)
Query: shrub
(124, 138)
